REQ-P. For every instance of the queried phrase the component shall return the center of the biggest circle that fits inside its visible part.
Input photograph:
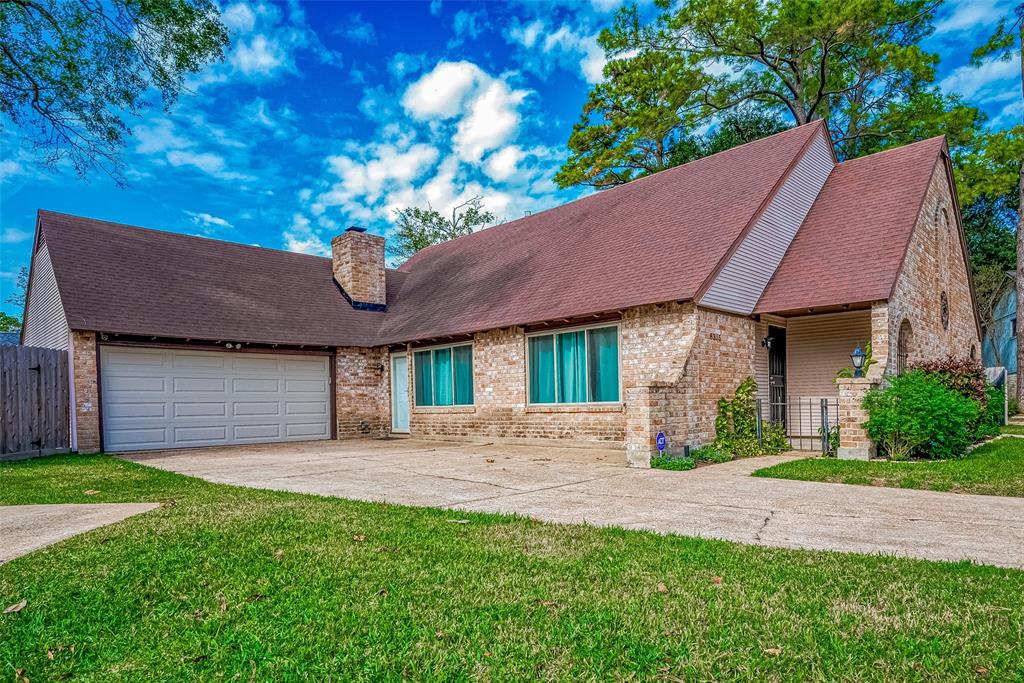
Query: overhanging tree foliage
(71, 71)
(858, 65)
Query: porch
(797, 360)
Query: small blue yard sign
(662, 441)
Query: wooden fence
(33, 402)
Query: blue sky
(330, 114)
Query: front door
(400, 393)
(777, 375)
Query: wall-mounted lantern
(857, 357)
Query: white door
(400, 393)
(163, 398)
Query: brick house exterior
(648, 303)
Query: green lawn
(995, 469)
(237, 584)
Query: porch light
(857, 357)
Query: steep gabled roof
(851, 246)
(655, 239)
(120, 278)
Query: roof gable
(851, 246)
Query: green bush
(736, 425)
(918, 415)
(672, 462)
(710, 453)
(991, 419)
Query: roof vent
(355, 228)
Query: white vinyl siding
(169, 398)
(45, 322)
(742, 280)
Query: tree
(8, 323)
(419, 228)
(20, 288)
(1008, 43)
(72, 71)
(857, 65)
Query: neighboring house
(999, 348)
(609, 319)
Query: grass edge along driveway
(263, 585)
(995, 469)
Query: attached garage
(181, 398)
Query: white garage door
(161, 398)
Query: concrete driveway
(594, 486)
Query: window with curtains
(444, 376)
(576, 366)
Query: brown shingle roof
(850, 248)
(652, 240)
(119, 278)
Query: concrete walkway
(594, 486)
(24, 528)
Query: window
(444, 376)
(576, 366)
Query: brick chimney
(359, 267)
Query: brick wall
(362, 397)
(677, 361)
(87, 401)
(358, 260)
(934, 264)
(501, 410)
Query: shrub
(736, 425)
(917, 414)
(710, 453)
(991, 419)
(965, 376)
(672, 462)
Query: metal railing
(811, 423)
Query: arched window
(903, 346)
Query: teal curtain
(424, 387)
(572, 367)
(442, 377)
(603, 347)
(542, 369)
(462, 358)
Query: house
(999, 341)
(609, 319)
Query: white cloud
(435, 7)
(451, 135)
(10, 169)
(260, 55)
(965, 15)
(441, 93)
(14, 236)
(502, 165)
(492, 119)
(357, 30)
(239, 17)
(993, 81)
(568, 47)
(404, 63)
(301, 237)
(204, 161)
(158, 136)
(205, 220)
(466, 25)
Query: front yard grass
(995, 469)
(241, 584)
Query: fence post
(757, 422)
(825, 430)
